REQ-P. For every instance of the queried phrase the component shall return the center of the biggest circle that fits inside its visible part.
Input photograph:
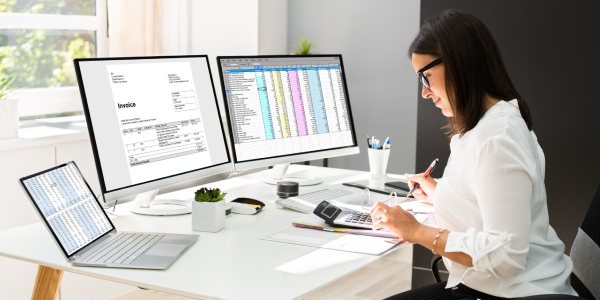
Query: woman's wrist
(416, 234)
(423, 235)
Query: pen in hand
(431, 167)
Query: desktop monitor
(153, 122)
(286, 108)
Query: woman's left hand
(395, 219)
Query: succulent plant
(209, 195)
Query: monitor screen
(286, 107)
(151, 119)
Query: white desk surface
(230, 264)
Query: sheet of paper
(333, 240)
(417, 207)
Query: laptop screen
(67, 205)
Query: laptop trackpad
(166, 250)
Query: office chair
(585, 254)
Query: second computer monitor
(285, 109)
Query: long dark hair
(473, 67)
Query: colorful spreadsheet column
(317, 100)
(264, 103)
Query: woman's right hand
(426, 186)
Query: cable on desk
(116, 201)
(113, 207)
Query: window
(39, 40)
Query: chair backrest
(585, 253)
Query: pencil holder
(378, 160)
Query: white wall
(373, 38)
(236, 27)
(272, 27)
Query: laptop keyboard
(124, 248)
(306, 203)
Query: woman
(490, 205)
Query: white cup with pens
(379, 154)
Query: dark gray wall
(551, 51)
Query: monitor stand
(278, 174)
(146, 204)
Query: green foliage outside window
(5, 85)
(44, 57)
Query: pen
(431, 167)
(368, 141)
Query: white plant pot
(9, 118)
(208, 216)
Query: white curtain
(135, 27)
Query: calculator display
(330, 211)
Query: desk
(234, 263)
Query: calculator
(338, 217)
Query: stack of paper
(335, 240)
(310, 230)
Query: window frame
(52, 100)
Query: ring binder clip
(362, 199)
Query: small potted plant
(9, 110)
(304, 47)
(208, 210)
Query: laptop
(82, 230)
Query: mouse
(246, 206)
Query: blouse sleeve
(503, 183)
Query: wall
(272, 27)
(548, 49)
(373, 38)
(236, 27)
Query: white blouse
(492, 199)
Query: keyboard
(306, 203)
(124, 248)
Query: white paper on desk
(417, 207)
(355, 200)
(333, 240)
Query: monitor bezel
(115, 194)
(294, 157)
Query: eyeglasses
(422, 77)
